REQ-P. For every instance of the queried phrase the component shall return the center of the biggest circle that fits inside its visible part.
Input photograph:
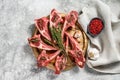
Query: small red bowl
(95, 27)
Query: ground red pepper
(95, 26)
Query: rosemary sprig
(56, 35)
(34, 40)
(52, 33)
(59, 38)
(48, 42)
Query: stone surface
(16, 24)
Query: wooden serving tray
(83, 45)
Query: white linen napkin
(106, 46)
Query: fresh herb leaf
(34, 40)
(52, 32)
(47, 41)
(57, 37)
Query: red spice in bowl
(95, 27)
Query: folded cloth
(103, 52)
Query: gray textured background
(16, 23)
